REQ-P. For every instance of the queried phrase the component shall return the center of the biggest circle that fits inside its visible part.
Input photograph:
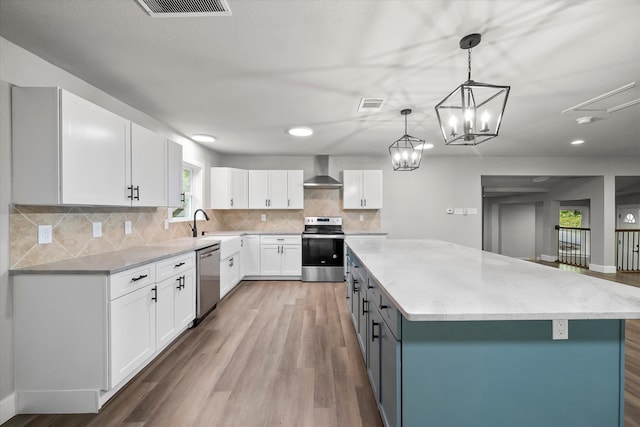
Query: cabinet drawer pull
(383, 306)
(140, 277)
(180, 264)
(373, 335)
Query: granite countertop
(431, 280)
(117, 261)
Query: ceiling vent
(185, 8)
(370, 104)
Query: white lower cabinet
(81, 337)
(133, 332)
(229, 273)
(250, 255)
(281, 255)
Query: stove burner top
(322, 225)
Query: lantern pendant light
(406, 152)
(472, 113)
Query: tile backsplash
(72, 226)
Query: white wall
(518, 230)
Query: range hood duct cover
(322, 178)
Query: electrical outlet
(560, 329)
(166, 224)
(263, 217)
(97, 229)
(45, 234)
(127, 227)
(361, 217)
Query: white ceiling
(275, 64)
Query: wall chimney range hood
(322, 178)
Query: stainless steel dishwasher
(208, 281)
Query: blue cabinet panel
(511, 373)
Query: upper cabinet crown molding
(69, 151)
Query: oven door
(322, 257)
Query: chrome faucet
(194, 229)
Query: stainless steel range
(322, 249)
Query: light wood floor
(275, 354)
(272, 354)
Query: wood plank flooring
(272, 354)
(275, 354)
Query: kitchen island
(455, 336)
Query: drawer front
(281, 240)
(389, 314)
(130, 280)
(175, 265)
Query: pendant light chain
(469, 75)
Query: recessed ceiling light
(584, 120)
(425, 146)
(300, 131)
(577, 142)
(540, 179)
(203, 138)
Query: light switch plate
(127, 227)
(166, 224)
(97, 229)
(45, 234)
(263, 217)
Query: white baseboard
(7, 408)
(549, 258)
(603, 268)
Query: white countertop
(431, 280)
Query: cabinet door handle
(288, 202)
(140, 277)
(364, 310)
(180, 264)
(182, 282)
(179, 280)
(130, 190)
(373, 335)
(355, 288)
(230, 262)
(182, 197)
(231, 201)
(360, 202)
(155, 294)
(137, 190)
(266, 202)
(365, 203)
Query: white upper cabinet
(174, 174)
(295, 189)
(275, 189)
(362, 189)
(229, 188)
(148, 167)
(66, 150)
(268, 189)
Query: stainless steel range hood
(322, 178)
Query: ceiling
(275, 64)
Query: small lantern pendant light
(406, 152)
(472, 113)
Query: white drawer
(282, 239)
(175, 265)
(130, 280)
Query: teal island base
(511, 373)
